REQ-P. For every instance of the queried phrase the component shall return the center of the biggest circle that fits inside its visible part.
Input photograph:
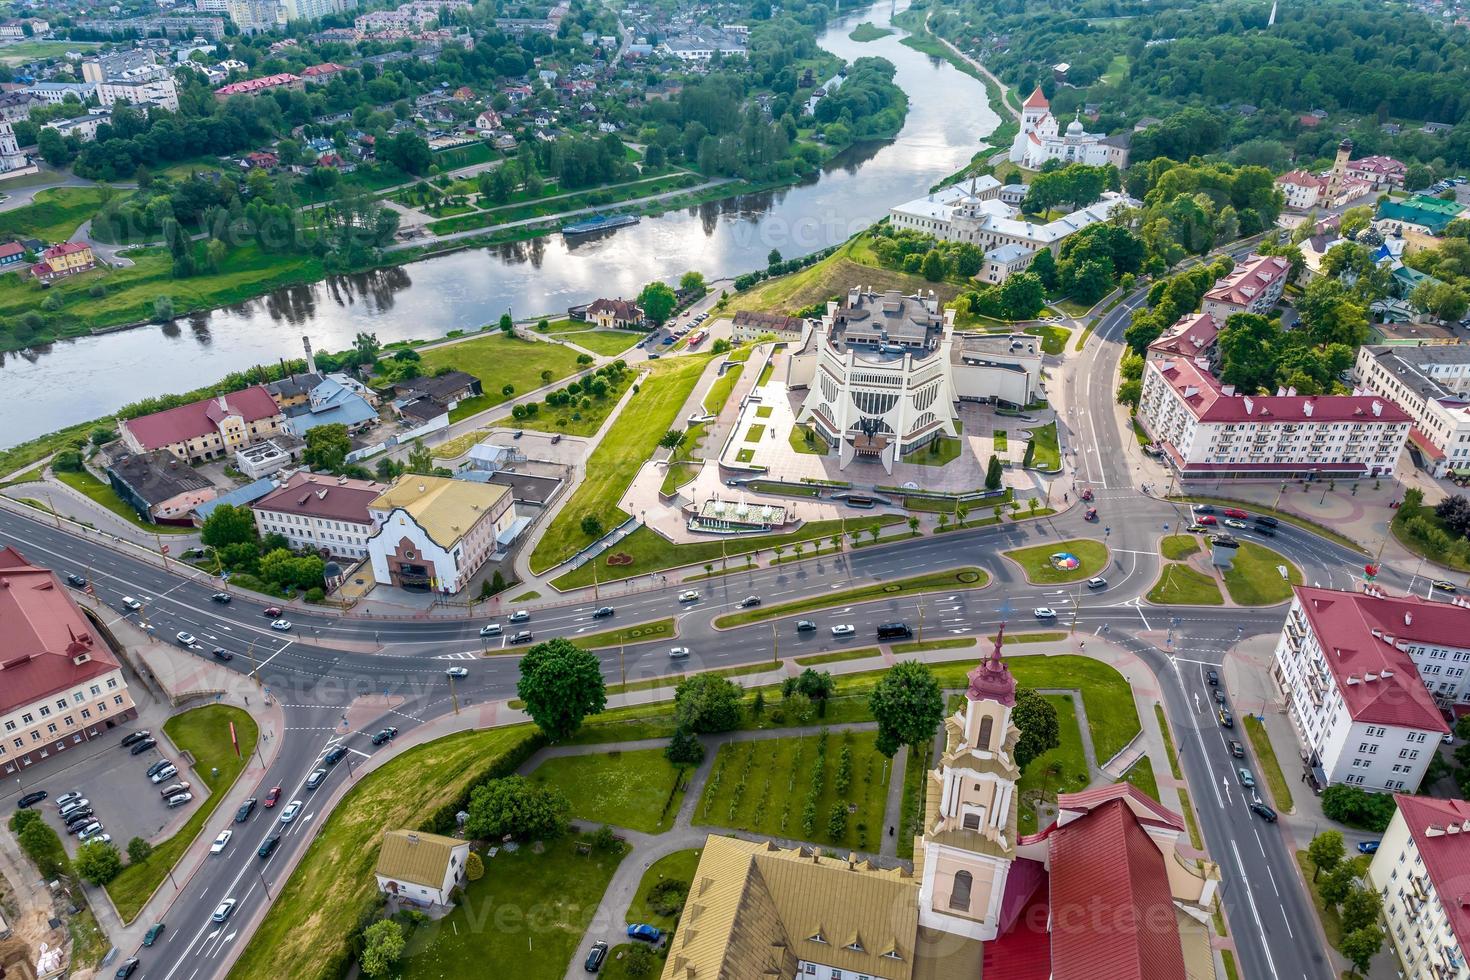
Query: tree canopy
(908, 705)
(561, 684)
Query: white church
(1041, 139)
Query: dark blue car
(1368, 847)
(645, 932)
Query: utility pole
(254, 668)
(1076, 609)
(622, 663)
(921, 619)
(775, 646)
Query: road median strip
(969, 577)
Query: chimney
(310, 357)
(1307, 409)
(1377, 408)
(1250, 405)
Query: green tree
(327, 447)
(908, 705)
(692, 283)
(138, 850)
(1361, 945)
(1355, 220)
(933, 266)
(1248, 344)
(365, 347)
(658, 302)
(420, 459)
(592, 526)
(1035, 716)
(684, 748)
(561, 685)
(837, 821)
(516, 806)
(1338, 884)
(1361, 908)
(1326, 851)
(707, 703)
(409, 153)
(382, 946)
(228, 524)
(98, 861)
(474, 867)
(993, 473)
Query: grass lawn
(1168, 742)
(832, 277)
(719, 391)
(1044, 452)
(1039, 571)
(573, 420)
(911, 808)
(766, 372)
(1070, 307)
(939, 452)
(678, 868)
(1179, 546)
(1142, 777)
(528, 913)
(309, 922)
(637, 790)
(1269, 765)
(764, 787)
(837, 656)
(639, 633)
(1053, 339)
(204, 733)
(608, 343)
(868, 31)
(684, 465)
(1117, 69)
(1181, 585)
(103, 494)
(754, 433)
(23, 51)
(1001, 440)
(1331, 922)
(630, 441)
(56, 212)
(962, 578)
(764, 412)
(1062, 769)
(798, 439)
(31, 475)
(745, 455)
(1254, 580)
(498, 360)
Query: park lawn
(1044, 452)
(56, 212)
(1117, 69)
(1254, 580)
(636, 790)
(764, 412)
(1071, 307)
(1179, 546)
(1268, 764)
(1062, 769)
(553, 896)
(952, 580)
(647, 551)
(1000, 440)
(32, 475)
(310, 922)
(683, 465)
(629, 442)
(1093, 556)
(937, 453)
(1181, 585)
(205, 734)
(745, 456)
(678, 866)
(565, 325)
(1053, 339)
(573, 420)
(608, 343)
(102, 493)
(911, 807)
(1141, 775)
(23, 51)
(798, 439)
(763, 787)
(837, 656)
(755, 432)
(498, 360)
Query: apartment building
(144, 85)
(749, 326)
(324, 513)
(209, 428)
(1352, 689)
(1431, 382)
(1193, 337)
(1253, 287)
(1419, 871)
(60, 685)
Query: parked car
(31, 798)
(132, 738)
(316, 778)
(154, 931)
(66, 798)
(1368, 846)
(281, 625)
(490, 629)
(805, 626)
(90, 832)
(167, 772)
(179, 799)
(143, 746)
(289, 814)
(1044, 612)
(223, 598)
(844, 629)
(220, 653)
(267, 845)
(602, 612)
(1213, 677)
(158, 765)
(80, 817)
(645, 932)
(274, 796)
(1246, 778)
(689, 595)
(522, 636)
(245, 810)
(73, 806)
(1097, 582)
(457, 672)
(221, 842)
(678, 653)
(519, 616)
(1263, 811)
(173, 788)
(749, 601)
(386, 735)
(595, 956)
(223, 909)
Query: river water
(71, 381)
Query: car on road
(844, 629)
(689, 595)
(645, 932)
(1197, 528)
(1202, 509)
(271, 611)
(289, 814)
(457, 672)
(221, 842)
(678, 653)
(133, 737)
(131, 604)
(167, 772)
(1264, 531)
(386, 735)
(602, 612)
(1247, 779)
(274, 796)
(142, 746)
(160, 764)
(1044, 612)
(892, 631)
(1235, 512)
(1263, 811)
(267, 845)
(805, 626)
(1208, 520)
(522, 636)
(1444, 586)
(490, 629)
(223, 909)
(281, 625)
(1264, 521)
(76, 580)
(749, 601)
(519, 616)
(31, 798)
(223, 598)
(1097, 582)
(66, 798)
(316, 778)
(1368, 846)
(179, 799)
(1213, 677)
(73, 806)
(1219, 696)
(1226, 719)
(335, 756)
(127, 968)
(154, 931)
(220, 653)
(246, 809)
(1091, 514)
(1232, 522)
(595, 956)
(1086, 495)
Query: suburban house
(448, 389)
(209, 428)
(1431, 382)
(420, 868)
(1302, 189)
(159, 486)
(11, 253)
(322, 73)
(619, 313)
(1353, 690)
(60, 685)
(751, 325)
(335, 400)
(434, 533)
(1419, 870)
(1254, 286)
(66, 259)
(328, 514)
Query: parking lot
(123, 799)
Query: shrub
(837, 821)
(684, 748)
(605, 839)
(667, 897)
(1358, 808)
(139, 850)
(474, 867)
(638, 962)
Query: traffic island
(1181, 585)
(1256, 579)
(1066, 561)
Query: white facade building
(321, 513)
(1419, 870)
(1253, 286)
(1041, 139)
(147, 85)
(1431, 382)
(434, 533)
(1352, 690)
(1301, 189)
(420, 868)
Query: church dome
(992, 679)
(1074, 128)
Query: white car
(167, 772)
(1045, 612)
(223, 909)
(289, 814)
(185, 639)
(130, 603)
(66, 798)
(457, 672)
(179, 799)
(221, 841)
(844, 629)
(1232, 522)
(691, 595)
(74, 805)
(678, 653)
(281, 625)
(491, 629)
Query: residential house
(60, 684)
(487, 122)
(159, 486)
(257, 86)
(260, 160)
(1352, 690)
(616, 313)
(322, 73)
(149, 85)
(751, 325)
(209, 428)
(11, 253)
(1431, 382)
(329, 514)
(1254, 286)
(66, 259)
(419, 868)
(1380, 171)
(1193, 337)
(448, 389)
(434, 534)
(335, 400)
(15, 106)
(1302, 189)
(1419, 871)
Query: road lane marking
(1251, 900)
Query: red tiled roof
(1395, 695)
(1301, 178)
(1208, 402)
(1022, 952)
(1190, 336)
(41, 631)
(1249, 280)
(252, 85)
(1145, 807)
(11, 248)
(66, 248)
(1036, 100)
(325, 68)
(1377, 165)
(1428, 448)
(323, 496)
(1111, 905)
(1446, 855)
(200, 418)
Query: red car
(1087, 494)
(1091, 514)
(272, 611)
(1206, 519)
(272, 797)
(1236, 513)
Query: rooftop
(1414, 364)
(446, 509)
(157, 476)
(336, 498)
(185, 422)
(1208, 401)
(1249, 280)
(1441, 831)
(1190, 336)
(886, 326)
(416, 856)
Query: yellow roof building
(446, 509)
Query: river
(72, 381)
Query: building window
(987, 725)
(959, 895)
